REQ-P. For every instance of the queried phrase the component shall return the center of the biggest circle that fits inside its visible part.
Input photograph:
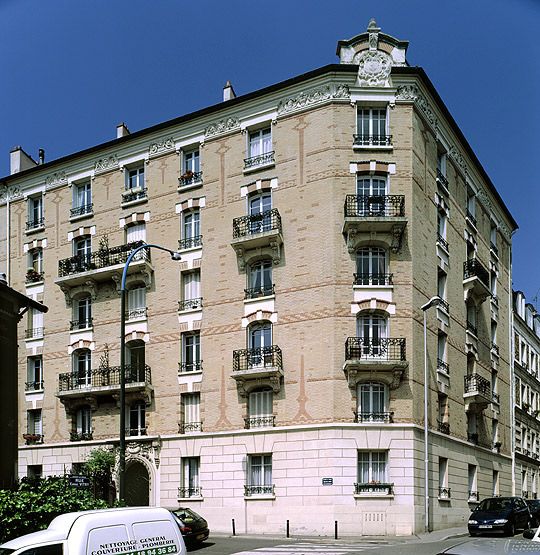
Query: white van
(130, 531)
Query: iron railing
(136, 313)
(494, 248)
(373, 279)
(81, 210)
(495, 397)
(189, 178)
(190, 304)
(374, 206)
(81, 324)
(473, 438)
(33, 439)
(267, 357)
(497, 446)
(194, 366)
(33, 276)
(190, 242)
(442, 241)
(36, 385)
(471, 217)
(473, 268)
(472, 328)
(268, 421)
(442, 179)
(372, 140)
(495, 300)
(260, 160)
(35, 223)
(250, 490)
(373, 487)
(184, 492)
(474, 496)
(141, 431)
(100, 259)
(474, 383)
(262, 291)
(80, 436)
(130, 196)
(34, 333)
(188, 427)
(443, 427)
(360, 348)
(444, 493)
(495, 347)
(380, 417)
(256, 223)
(108, 376)
(443, 366)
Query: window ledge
(192, 498)
(136, 320)
(373, 147)
(190, 310)
(259, 299)
(373, 287)
(444, 499)
(81, 330)
(190, 373)
(372, 495)
(191, 249)
(34, 230)
(259, 167)
(194, 185)
(33, 283)
(32, 391)
(81, 216)
(259, 497)
(134, 202)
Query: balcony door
(260, 278)
(371, 266)
(192, 228)
(82, 368)
(259, 210)
(260, 142)
(260, 342)
(135, 360)
(83, 313)
(371, 401)
(372, 329)
(370, 191)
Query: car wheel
(511, 529)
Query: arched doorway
(137, 485)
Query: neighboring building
(13, 305)
(277, 370)
(526, 399)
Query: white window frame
(191, 363)
(257, 138)
(190, 475)
(260, 470)
(375, 392)
(83, 420)
(372, 467)
(34, 424)
(82, 192)
(135, 178)
(191, 224)
(372, 138)
(137, 414)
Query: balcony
(102, 382)
(258, 292)
(134, 196)
(35, 224)
(84, 324)
(190, 243)
(34, 333)
(190, 304)
(81, 436)
(262, 366)
(33, 276)
(194, 366)
(188, 492)
(251, 490)
(103, 265)
(475, 281)
(442, 181)
(373, 279)
(442, 242)
(383, 360)
(477, 393)
(259, 162)
(267, 421)
(443, 427)
(443, 366)
(36, 385)
(444, 494)
(372, 141)
(258, 233)
(374, 217)
(374, 417)
(190, 427)
(80, 211)
(140, 313)
(373, 488)
(33, 439)
(190, 179)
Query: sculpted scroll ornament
(58, 178)
(10, 193)
(160, 146)
(312, 97)
(222, 126)
(104, 164)
(373, 69)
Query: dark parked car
(500, 514)
(534, 507)
(194, 527)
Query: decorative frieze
(57, 178)
(10, 193)
(161, 146)
(309, 98)
(412, 93)
(225, 125)
(106, 164)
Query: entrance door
(137, 485)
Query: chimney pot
(228, 92)
(122, 130)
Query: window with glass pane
(372, 467)
(192, 162)
(371, 125)
(191, 284)
(83, 195)
(83, 247)
(35, 322)
(191, 224)
(82, 313)
(371, 398)
(260, 470)
(443, 473)
(259, 341)
(370, 191)
(372, 329)
(260, 408)
(136, 298)
(35, 209)
(191, 351)
(441, 284)
(82, 364)
(36, 259)
(371, 266)
(441, 346)
(137, 418)
(260, 142)
(135, 178)
(441, 224)
(260, 278)
(259, 210)
(191, 408)
(135, 360)
(136, 233)
(35, 373)
(84, 420)
(34, 423)
(471, 204)
(190, 476)
(441, 162)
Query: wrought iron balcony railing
(377, 206)
(380, 417)
(268, 421)
(132, 195)
(443, 366)
(495, 397)
(373, 487)
(140, 431)
(442, 179)
(32, 438)
(36, 385)
(136, 313)
(266, 357)
(190, 178)
(262, 291)
(442, 241)
(190, 242)
(190, 304)
(108, 376)
(193, 491)
(444, 493)
(80, 324)
(81, 436)
(474, 383)
(493, 247)
(256, 223)
(35, 223)
(260, 160)
(250, 490)
(474, 496)
(102, 258)
(443, 427)
(473, 438)
(472, 328)
(189, 427)
(34, 333)
(471, 217)
(473, 268)
(32, 276)
(372, 140)
(194, 366)
(495, 347)
(360, 348)
(373, 279)
(81, 210)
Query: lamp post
(122, 467)
(434, 301)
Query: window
(35, 212)
(260, 409)
(495, 482)
(34, 373)
(370, 195)
(35, 260)
(191, 412)
(444, 491)
(472, 427)
(494, 334)
(82, 199)
(259, 475)
(137, 419)
(191, 230)
(493, 285)
(191, 287)
(442, 423)
(495, 385)
(494, 432)
(34, 471)
(82, 249)
(371, 403)
(34, 422)
(82, 362)
(442, 343)
(441, 162)
(35, 324)
(82, 313)
(441, 284)
(372, 328)
(190, 477)
(135, 178)
(372, 467)
(471, 318)
(493, 237)
(371, 127)
(260, 207)
(371, 267)
(441, 227)
(191, 168)
(136, 233)
(136, 301)
(135, 361)
(260, 144)
(260, 280)
(473, 491)
(83, 423)
(191, 352)
(471, 206)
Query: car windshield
(499, 504)
(185, 515)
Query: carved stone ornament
(373, 69)
(313, 96)
(411, 93)
(145, 450)
(10, 193)
(58, 178)
(163, 145)
(105, 164)
(222, 126)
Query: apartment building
(526, 399)
(279, 365)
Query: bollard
(233, 528)
(288, 529)
(335, 530)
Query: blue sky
(71, 70)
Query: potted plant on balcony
(32, 275)
(32, 438)
(187, 176)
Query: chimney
(228, 92)
(41, 156)
(19, 160)
(122, 130)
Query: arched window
(372, 330)
(135, 361)
(371, 402)
(260, 409)
(260, 343)
(370, 191)
(259, 279)
(82, 362)
(137, 419)
(371, 266)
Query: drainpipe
(512, 374)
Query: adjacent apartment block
(526, 398)
(278, 368)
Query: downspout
(512, 376)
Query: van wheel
(511, 529)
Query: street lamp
(434, 301)
(122, 470)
